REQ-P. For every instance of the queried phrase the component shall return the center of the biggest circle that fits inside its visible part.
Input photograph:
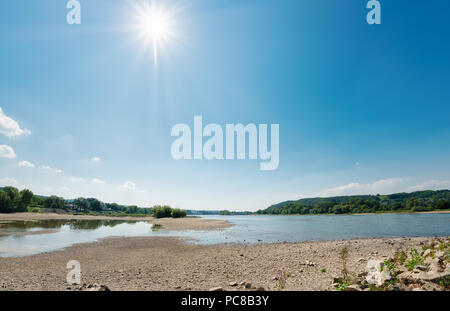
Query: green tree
(82, 204)
(24, 200)
(54, 202)
(178, 213)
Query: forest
(419, 201)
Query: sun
(155, 27)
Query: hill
(427, 200)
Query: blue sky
(362, 108)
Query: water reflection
(74, 224)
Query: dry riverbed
(163, 263)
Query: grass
(416, 259)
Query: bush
(178, 213)
(34, 210)
(162, 211)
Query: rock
(360, 260)
(243, 283)
(275, 278)
(353, 288)
(439, 254)
(248, 285)
(336, 279)
(375, 275)
(233, 284)
(422, 268)
(260, 289)
(427, 253)
(95, 288)
(216, 289)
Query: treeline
(14, 201)
(416, 202)
(233, 213)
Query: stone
(248, 285)
(353, 288)
(260, 289)
(216, 289)
(233, 284)
(427, 253)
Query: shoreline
(169, 263)
(172, 224)
(358, 214)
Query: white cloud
(48, 168)
(25, 164)
(10, 127)
(388, 185)
(76, 179)
(95, 160)
(127, 186)
(97, 181)
(7, 152)
(431, 185)
(8, 182)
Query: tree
(82, 204)
(54, 202)
(178, 213)
(96, 205)
(162, 211)
(24, 200)
(5, 202)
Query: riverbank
(175, 224)
(164, 263)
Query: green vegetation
(14, 201)
(282, 278)
(416, 260)
(167, 211)
(411, 202)
(178, 213)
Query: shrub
(162, 211)
(178, 213)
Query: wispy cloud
(10, 127)
(77, 179)
(380, 186)
(7, 152)
(97, 181)
(127, 186)
(94, 160)
(431, 185)
(25, 164)
(8, 182)
(48, 168)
